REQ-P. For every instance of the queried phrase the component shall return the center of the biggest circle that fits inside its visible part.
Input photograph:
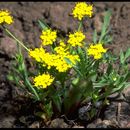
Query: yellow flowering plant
(71, 73)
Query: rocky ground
(15, 110)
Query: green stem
(16, 39)
(30, 86)
(80, 25)
(26, 77)
(28, 82)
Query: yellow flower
(37, 54)
(48, 37)
(81, 10)
(43, 80)
(54, 60)
(61, 49)
(43, 57)
(61, 53)
(5, 17)
(76, 38)
(96, 51)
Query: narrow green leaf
(43, 25)
(79, 50)
(68, 61)
(109, 69)
(105, 25)
(127, 54)
(127, 77)
(119, 88)
(122, 57)
(57, 101)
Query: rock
(83, 112)
(78, 126)
(111, 123)
(35, 125)
(4, 90)
(98, 104)
(93, 124)
(102, 124)
(22, 119)
(3, 94)
(122, 118)
(7, 107)
(126, 94)
(7, 122)
(58, 123)
(128, 125)
(111, 111)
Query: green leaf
(122, 57)
(75, 81)
(87, 87)
(127, 77)
(99, 85)
(127, 84)
(57, 101)
(105, 25)
(48, 109)
(117, 89)
(10, 77)
(79, 50)
(127, 54)
(82, 55)
(68, 61)
(43, 25)
(41, 115)
(107, 39)
(78, 71)
(72, 98)
(109, 69)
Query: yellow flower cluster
(76, 38)
(81, 10)
(37, 54)
(54, 60)
(43, 57)
(62, 52)
(48, 37)
(5, 17)
(43, 80)
(96, 51)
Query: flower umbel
(81, 10)
(63, 52)
(48, 37)
(96, 51)
(43, 80)
(76, 38)
(37, 54)
(54, 60)
(5, 17)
